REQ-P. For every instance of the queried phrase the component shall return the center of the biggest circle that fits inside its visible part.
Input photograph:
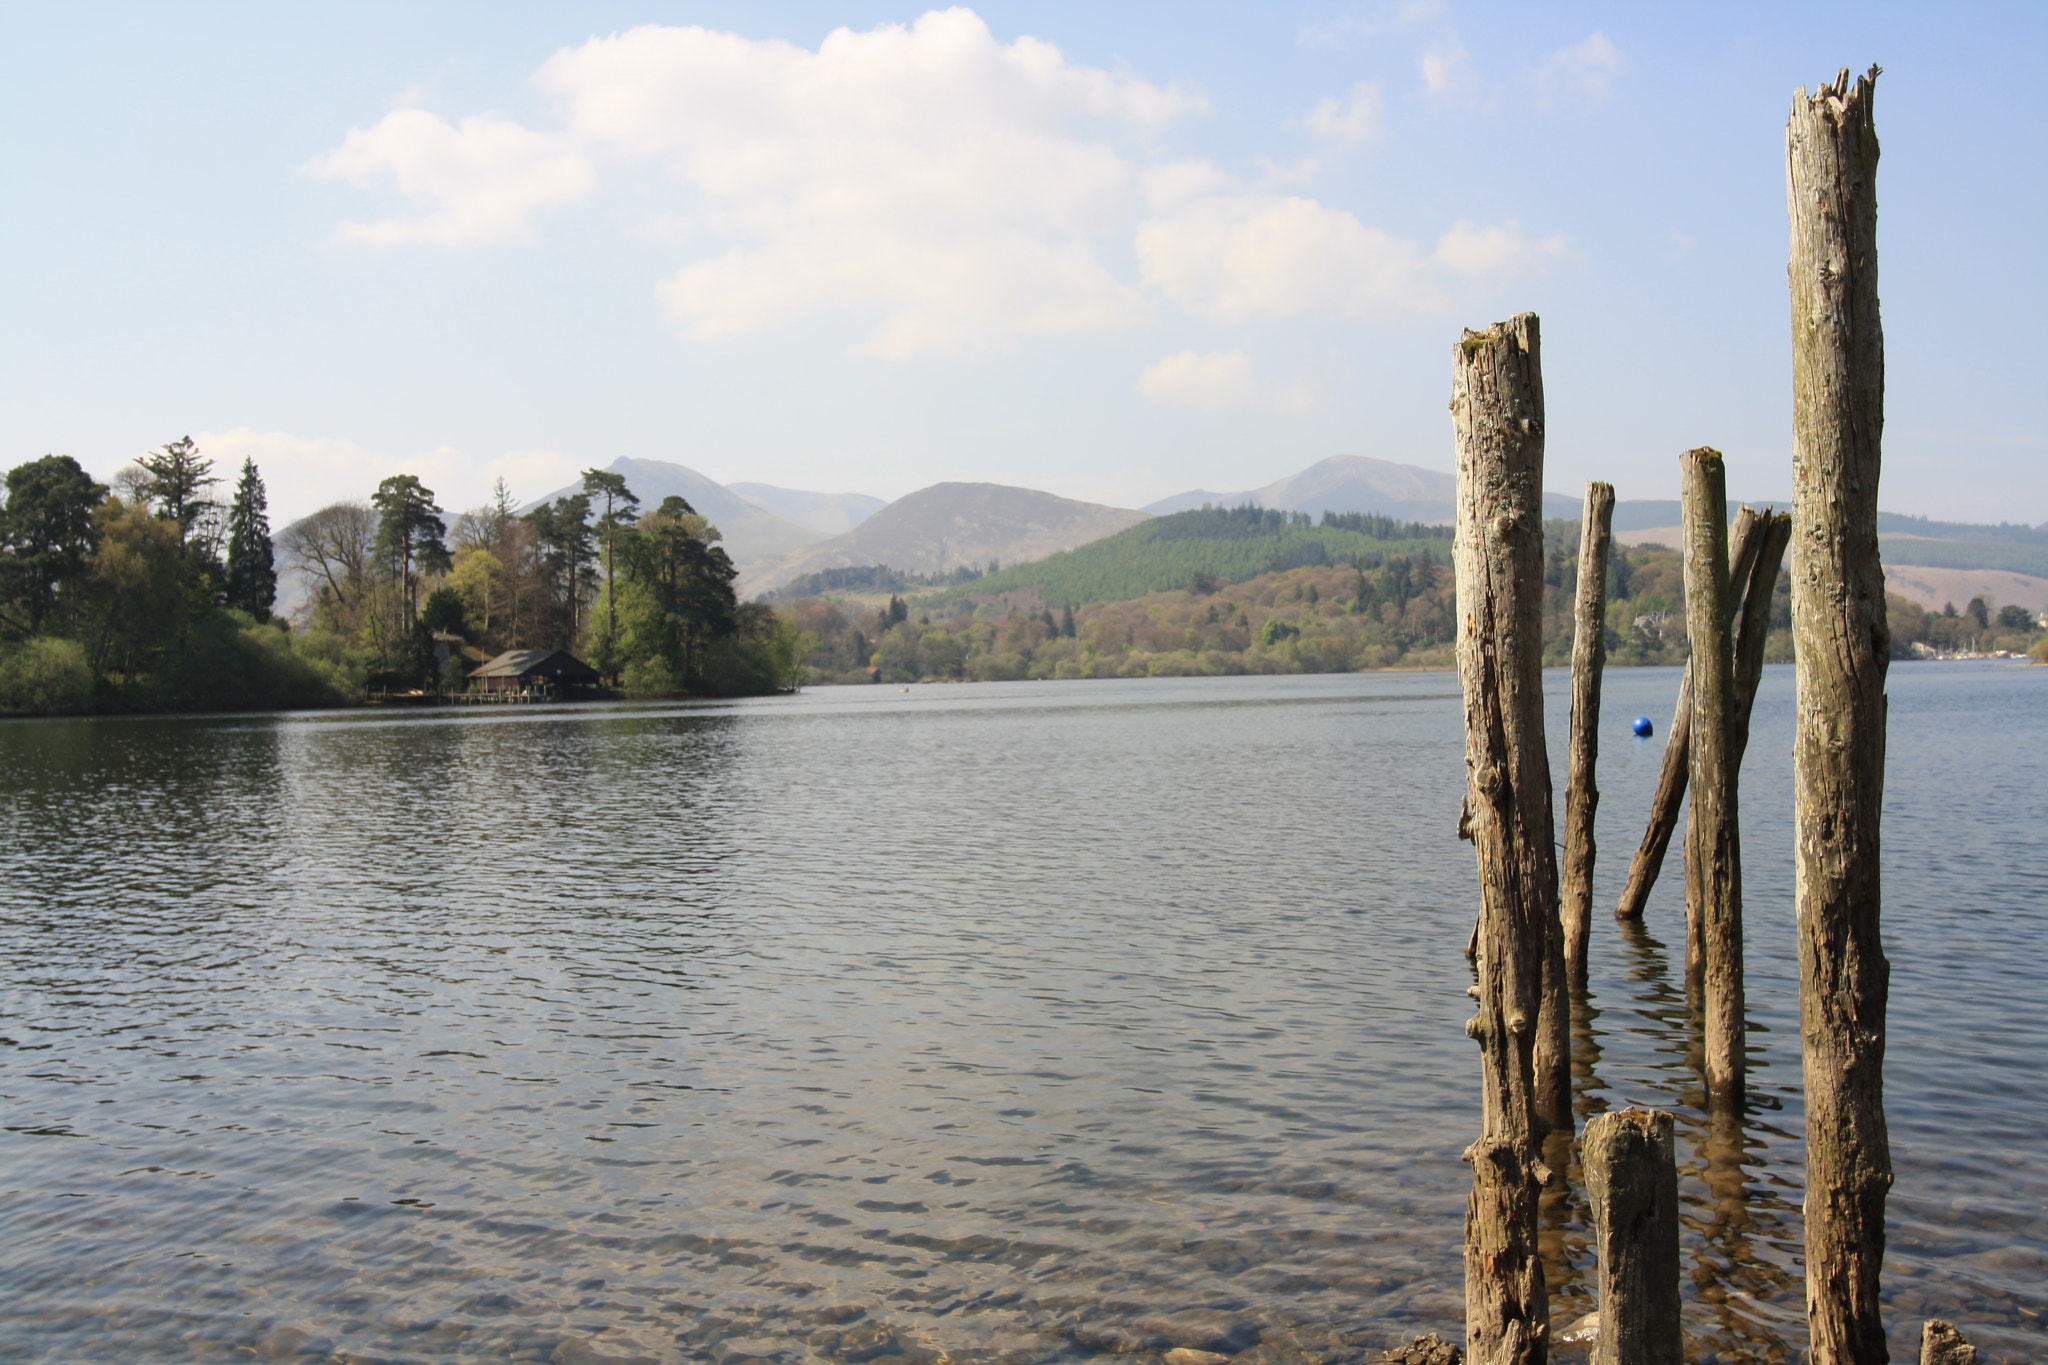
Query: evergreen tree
(691, 581)
(47, 539)
(620, 503)
(252, 573)
(411, 537)
(563, 533)
(1067, 622)
(176, 481)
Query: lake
(1010, 1022)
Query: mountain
(829, 514)
(951, 524)
(752, 535)
(1357, 483)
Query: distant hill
(1231, 544)
(829, 514)
(1663, 514)
(1936, 588)
(2007, 532)
(1903, 541)
(1356, 483)
(940, 528)
(753, 535)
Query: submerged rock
(1429, 1350)
(1188, 1355)
(1583, 1331)
(1942, 1344)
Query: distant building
(548, 672)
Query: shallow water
(1007, 1021)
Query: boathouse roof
(555, 664)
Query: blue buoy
(1643, 728)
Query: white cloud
(958, 186)
(1218, 379)
(1230, 256)
(478, 181)
(1501, 249)
(1584, 71)
(302, 474)
(1218, 249)
(1447, 71)
(1387, 18)
(945, 190)
(1355, 118)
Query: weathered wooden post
(1582, 787)
(1712, 829)
(1755, 625)
(1669, 797)
(1497, 412)
(1632, 1184)
(1842, 647)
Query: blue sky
(1110, 251)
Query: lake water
(1015, 1022)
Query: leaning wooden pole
(1669, 798)
(1632, 1185)
(1755, 626)
(1497, 412)
(1712, 827)
(1841, 645)
(1582, 787)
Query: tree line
(645, 595)
(151, 594)
(1372, 610)
(158, 594)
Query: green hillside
(1965, 554)
(1233, 545)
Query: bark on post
(1632, 1184)
(1497, 412)
(1582, 786)
(1842, 646)
(1712, 828)
(1670, 794)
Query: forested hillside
(1234, 544)
(1390, 602)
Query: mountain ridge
(751, 534)
(949, 524)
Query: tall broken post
(1669, 797)
(1632, 1185)
(1842, 645)
(1712, 828)
(1497, 413)
(1582, 787)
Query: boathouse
(536, 672)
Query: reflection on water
(1020, 1022)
